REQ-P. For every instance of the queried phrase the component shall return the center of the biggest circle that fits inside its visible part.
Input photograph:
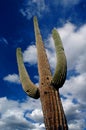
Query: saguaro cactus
(48, 90)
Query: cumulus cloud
(78, 125)
(30, 55)
(28, 114)
(50, 50)
(74, 44)
(76, 86)
(36, 115)
(13, 115)
(12, 78)
(74, 91)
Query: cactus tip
(34, 18)
(18, 49)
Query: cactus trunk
(54, 116)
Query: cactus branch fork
(48, 90)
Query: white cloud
(30, 55)
(36, 77)
(13, 78)
(76, 86)
(36, 115)
(33, 7)
(13, 115)
(74, 44)
(78, 125)
(74, 91)
(3, 41)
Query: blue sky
(17, 110)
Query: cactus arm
(61, 67)
(27, 84)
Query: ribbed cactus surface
(27, 84)
(61, 67)
(48, 91)
(43, 64)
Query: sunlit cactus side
(48, 90)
